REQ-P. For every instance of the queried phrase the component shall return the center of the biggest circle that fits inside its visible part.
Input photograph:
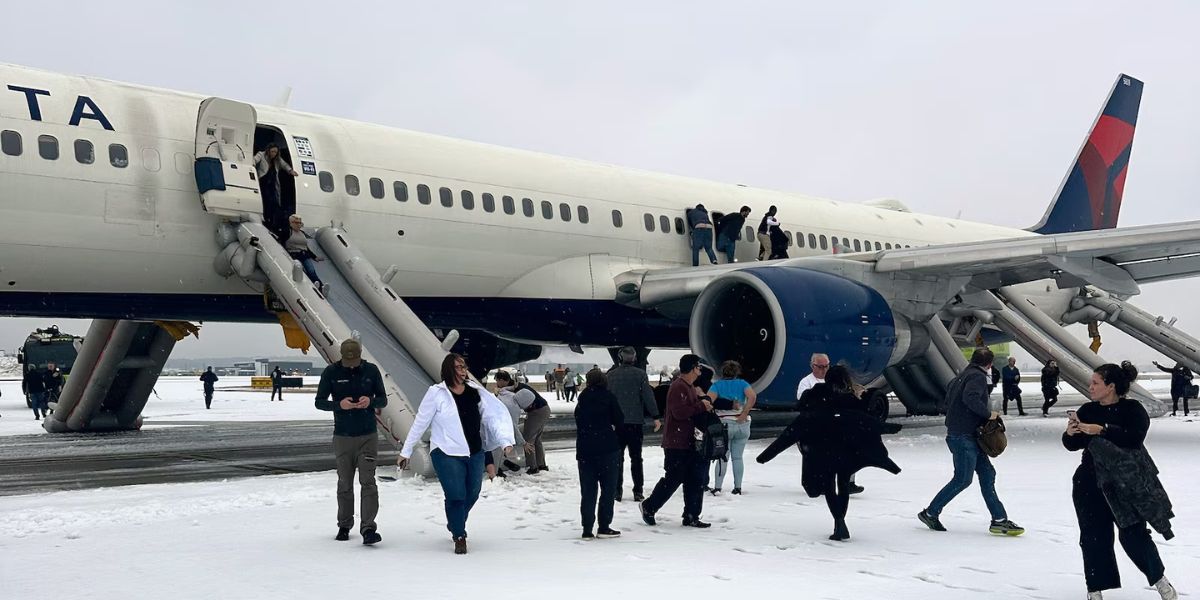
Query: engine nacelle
(772, 319)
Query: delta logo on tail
(1090, 196)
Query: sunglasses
(820, 366)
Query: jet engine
(771, 320)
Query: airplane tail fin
(1090, 195)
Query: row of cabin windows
(663, 224)
(85, 153)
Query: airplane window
(878, 247)
(489, 203)
(547, 210)
(679, 226)
(887, 245)
(352, 187)
(564, 211)
(85, 152)
(749, 234)
(326, 180)
(48, 147)
(812, 240)
(400, 189)
(649, 219)
(509, 207)
(376, 185)
(423, 194)
(118, 156)
(447, 197)
(799, 239)
(10, 143)
(845, 243)
(151, 160)
(788, 235)
(527, 207)
(824, 242)
(857, 246)
(618, 220)
(664, 224)
(583, 214)
(468, 200)
(183, 161)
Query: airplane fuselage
(100, 217)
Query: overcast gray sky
(952, 107)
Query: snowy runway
(271, 537)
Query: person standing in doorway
(357, 390)
(631, 386)
(269, 164)
(1010, 377)
(1049, 386)
(467, 422)
(702, 234)
(277, 384)
(1111, 431)
(764, 233)
(967, 409)
(209, 379)
(682, 462)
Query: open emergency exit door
(225, 173)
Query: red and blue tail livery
(1090, 195)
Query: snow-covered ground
(271, 537)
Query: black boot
(370, 537)
(840, 531)
(343, 534)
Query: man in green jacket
(357, 389)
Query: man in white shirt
(820, 365)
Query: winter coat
(439, 412)
(597, 419)
(1049, 378)
(631, 387)
(967, 402)
(209, 378)
(1181, 378)
(729, 228)
(342, 382)
(835, 436)
(682, 405)
(1129, 480)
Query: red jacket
(682, 405)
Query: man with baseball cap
(357, 389)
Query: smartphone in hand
(1071, 416)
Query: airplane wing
(1115, 260)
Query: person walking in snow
(356, 387)
(467, 422)
(277, 384)
(598, 421)
(1111, 431)
(209, 379)
(967, 409)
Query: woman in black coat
(598, 418)
(837, 438)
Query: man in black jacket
(209, 379)
(967, 409)
(277, 384)
(729, 231)
(357, 389)
(34, 382)
(1181, 380)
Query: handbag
(991, 437)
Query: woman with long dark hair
(837, 438)
(1116, 484)
(467, 422)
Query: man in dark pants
(1010, 376)
(209, 378)
(729, 231)
(277, 384)
(357, 390)
(631, 386)
(1049, 386)
(1181, 380)
(54, 383)
(682, 463)
(34, 383)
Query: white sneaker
(1095, 596)
(1166, 590)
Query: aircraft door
(225, 173)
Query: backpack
(711, 438)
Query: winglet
(1090, 195)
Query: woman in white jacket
(467, 420)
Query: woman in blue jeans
(467, 422)
(737, 422)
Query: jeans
(969, 460)
(686, 468)
(631, 437)
(739, 434)
(38, 402)
(727, 247)
(598, 474)
(461, 478)
(702, 238)
(357, 453)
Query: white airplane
(113, 195)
